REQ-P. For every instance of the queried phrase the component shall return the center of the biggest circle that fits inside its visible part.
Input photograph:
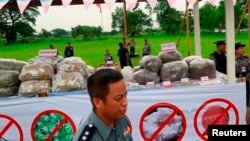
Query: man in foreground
(108, 120)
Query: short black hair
(120, 44)
(238, 45)
(98, 82)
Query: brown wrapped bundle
(136, 68)
(152, 63)
(202, 67)
(143, 76)
(72, 64)
(36, 72)
(33, 87)
(11, 64)
(170, 56)
(9, 91)
(191, 58)
(53, 60)
(9, 78)
(174, 71)
(63, 81)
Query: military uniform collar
(102, 128)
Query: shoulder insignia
(87, 133)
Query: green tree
(137, 21)
(44, 33)
(208, 17)
(11, 18)
(58, 32)
(25, 30)
(168, 18)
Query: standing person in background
(123, 55)
(69, 50)
(219, 56)
(132, 46)
(108, 120)
(146, 50)
(53, 47)
(242, 66)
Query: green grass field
(92, 51)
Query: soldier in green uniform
(108, 120)
(242, 67)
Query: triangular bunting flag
(22, 4)
(87, 3)
(192, 2)
(152, 3)
(213, 2)
(66, 3)
(2, 3)
(131, 3)
(46, 5)
(234, 1)
(110, 3)
(171, 3)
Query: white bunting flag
(234, 1)
(171, 2)
(213, 2)
(131, 3)
(110, 3)
(2, 3)
(66, 3)
(192, 2)
(152, 3)
(22, 4)
(46, 5)
(88, 3)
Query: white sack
(33, 87)
(127, 73)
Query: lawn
(92, 50)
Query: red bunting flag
(99, 5)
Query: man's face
(222, 47)
(116, 103)
(240, 51)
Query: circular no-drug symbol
(162, 121)
(214, 112)
(52, 125)
(9, 123)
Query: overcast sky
(73, 15)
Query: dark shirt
(220, 61)
(122, 53)
(68, 52)
(242, 67)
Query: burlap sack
(11, 64)
(33, 87)
(36, 72)
(9, 78)
(143, 76)
(9, 91)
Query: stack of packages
(36, 76)
(9, 72)
(72, 74)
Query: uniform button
(84, 138)
(90, 125)
(86, 133)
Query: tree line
(13, 24)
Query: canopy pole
(197, 37)
(248, 31)
(125, 22)
(241, 18)
(230, 40)
(187, 29)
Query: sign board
(110, 62)
(48, 52)
(169, 47)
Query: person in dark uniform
(219, 56)
(108, 120)
(69, 50)
(123, 55)
(242, 67)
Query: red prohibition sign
(176, 111)
(222, 114)
(57, 127)
(9, 124)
